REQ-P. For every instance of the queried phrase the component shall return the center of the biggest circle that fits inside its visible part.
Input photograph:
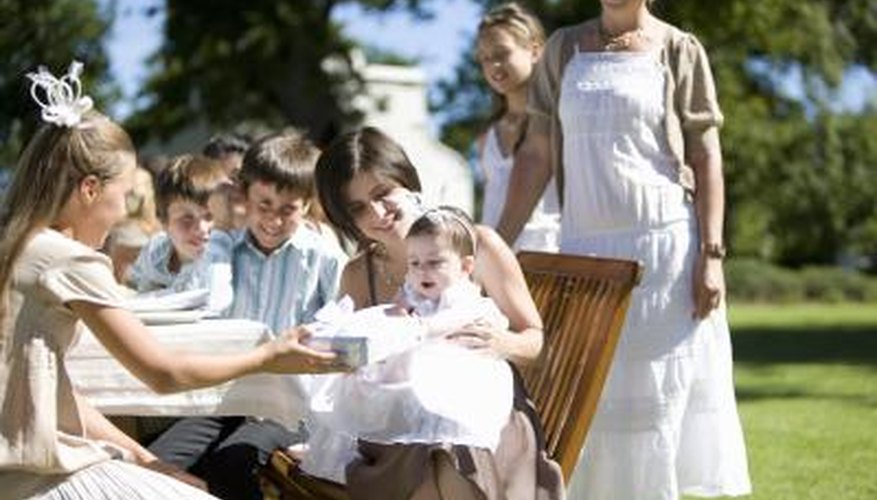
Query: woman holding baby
(368, 186)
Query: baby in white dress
(431, 389)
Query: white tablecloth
(114, 391)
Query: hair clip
(63, 103)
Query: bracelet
(713, 250)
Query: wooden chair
(583, 302)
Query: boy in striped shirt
(179, 258)
(283, 272)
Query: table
(114, 391)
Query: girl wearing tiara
(68, 190)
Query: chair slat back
(583, 301)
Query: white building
(395, 101)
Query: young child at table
(230, 149)
(283, 272)
(433, 390)
(189, 191)
(67, 192)
(510, 41)
(127, 238)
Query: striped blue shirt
(150, 272)
(286, 287)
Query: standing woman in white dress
(625, 106)
(68, 190)
(510, 41)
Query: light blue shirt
(286, 287)
(150, 272)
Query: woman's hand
(175, 472)
(289, 354)
(709, 285)
(485, 337)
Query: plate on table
(171, 317)
(168, 302)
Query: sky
(438, 44)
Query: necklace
(390, 279)
(619, 41)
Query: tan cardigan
(689, 94)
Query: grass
(806, 379)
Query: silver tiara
(61, 102)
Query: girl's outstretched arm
(165, 371)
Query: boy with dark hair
(188, 193)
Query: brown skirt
(518, 470)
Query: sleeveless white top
(618, 169)
(541, 231)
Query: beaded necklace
(619, 41)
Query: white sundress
(541, 231)
(667, 421)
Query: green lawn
(807, 391)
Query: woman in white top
(510, 41)
(68, 191)
(627, 104)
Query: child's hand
(397, 310)
(287, 354)
(399, 300)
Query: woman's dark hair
(363, 150)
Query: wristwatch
(713, 250)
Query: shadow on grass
(848, 345)
(759, 392)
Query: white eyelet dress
(667, 421)
(541, 231)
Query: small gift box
(351, 351)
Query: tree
(50, 33)
(263, 60)
(798, 170)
